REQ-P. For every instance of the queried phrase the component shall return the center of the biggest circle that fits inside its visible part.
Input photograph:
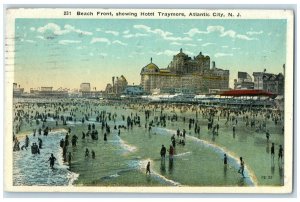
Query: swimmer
(163, 152)
(241, 170)
(52, 159)
(87, 152)
(225, 160)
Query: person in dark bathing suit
(272, 153)
(148, 168)
(241, 170)
(225, 160)
(52, 159)
(163, 152)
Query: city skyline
(66, 52)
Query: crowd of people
(43, 117)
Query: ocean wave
(34, 169)
(142, 165)
(251, 180)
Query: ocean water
(125, 156)
(34, 169)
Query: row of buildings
(184, 74)
(273, 83)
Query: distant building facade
(133, 90)
(184, 73)
(117, 86)
(17, 90)
(48, 92)
(47, 89)
(85, 87)
(244, 81)
(269, 82)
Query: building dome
(150, 68)
(181, 54)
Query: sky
(67, 52)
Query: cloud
(100, 40)
(53, 28)
(134, 35)
(40, 37)
(119, 42)
(176, 43)
(98, 29)
(223, 55)
(57, 30)
(115, 33)
(171, 38)
(221, 30)
(207, 44)
(182, 44)
(254, 32)
(216, 28)
(229, 33)
(225, 46)
(164, 34)
(154, 31)
(240, 36)
(167, 52)
(32, 28)
(189, 44)
(234, 48)
(73, 29)
(171, 52)
(192, 32)
(66, 42)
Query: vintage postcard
(149, 100)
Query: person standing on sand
(26, 141)
(148, 168)
(272, 153)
